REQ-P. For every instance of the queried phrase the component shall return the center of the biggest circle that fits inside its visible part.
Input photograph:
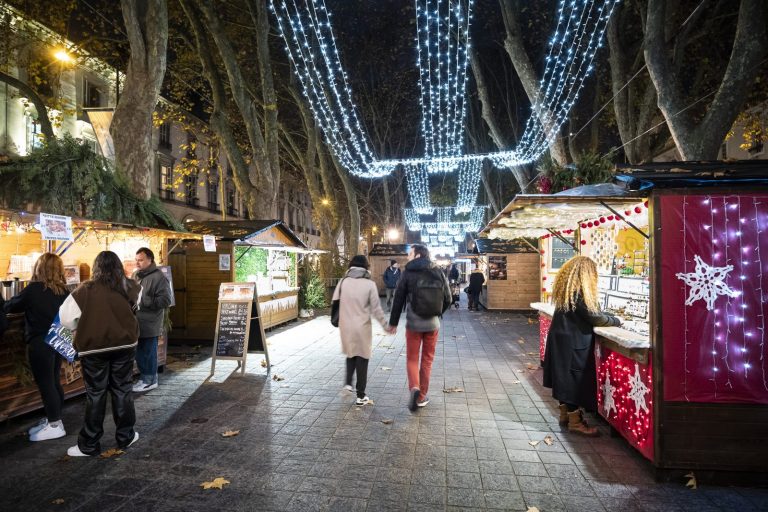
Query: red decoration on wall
(583, 242)
(634, 424)
(584, 226)
(717, 350)
(638, 209)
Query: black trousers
(46, 369)
(108, 372)
(358, 365)
(474, 300)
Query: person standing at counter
(476, 281)
(40, 301)
(101, 314)
(569, 359)
(155, 298)
(358, 302)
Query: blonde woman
(569, 360)
(40, 301)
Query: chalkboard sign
(232, 329)
(561, 252)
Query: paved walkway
(303, 445)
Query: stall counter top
(630, 344)
(272, 294)
(544, 307)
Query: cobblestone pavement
(303, 444)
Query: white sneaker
(363, 401)
(49, 431)
(349, 387)
(135, 438)
(141, 387)
(423, 403)
(74, 451)
(37, 426)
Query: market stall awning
(534, 215)
(271, 233)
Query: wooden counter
(279, 307)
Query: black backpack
(428, 298)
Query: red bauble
(645, 204)
(583, 226)
(583, 242)
(610, 217)
(627, 212)
(638, 209)
(602, 220)
(590, 224)
(544, 278)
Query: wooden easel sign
(238, 325)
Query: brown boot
(577, 424)
(563, 415)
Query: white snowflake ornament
(706, 283)
(608, 402)
(637, 391)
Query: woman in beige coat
(358, 302)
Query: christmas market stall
(259, 251)
(685, 378)
(511, 273)
(379, 259)
(23, 238)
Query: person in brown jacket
(101, 312)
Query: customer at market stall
(569, 360)
(40, 301)
(476, 281)
(391, 277)
(358, 301)
(155, 299)
(101, 313)
(429, 296)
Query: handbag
(60, 339)
(335, 307)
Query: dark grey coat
(155, 298)
(569, 359)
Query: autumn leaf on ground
(453, 390)
(521, 341)
(217, 483)
(230, 433)
(263, 363)
(385, 368)
(531, 366)
(533, 353)
(520, 371)
(387, 421)
(549, 441)
(277, 378)
(58, 501)
(531, 321)
(534, 443)
(65, 458)
(691, 481)
(112, 452)
(532, 509)
(515, 382)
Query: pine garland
(66, 177)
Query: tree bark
(353, 235)
(513, 44)
(265, 171)
(701, 140)
(29, 93)
(146, 24)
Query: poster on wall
(497, 268)
(209, 243)
(72, 274)
(713, 299)
(56, 227)
(224, 262)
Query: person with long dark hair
(40, 301)
(101, 311)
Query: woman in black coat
(569, 360)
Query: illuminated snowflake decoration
(707, 283)
(608, 403)
(637, 391)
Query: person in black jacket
(569, 359)
(40, 302)
(476, 280)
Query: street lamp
(325, 202)
(393, 234)
(62, 56)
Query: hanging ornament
(706, 283)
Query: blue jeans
(146, 359)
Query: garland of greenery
(589, 169)
(65, 177)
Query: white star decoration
(637, 391)
(706, 283)
(608, 403)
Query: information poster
(166, 270)
(497, 268)
(224, 262)
(209, 243)
(56, 227)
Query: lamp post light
(393, 234)
(62, 56)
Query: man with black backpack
(429, 296)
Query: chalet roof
(241, 230)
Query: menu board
(232, 329)
(561, 252)
(497, 268)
